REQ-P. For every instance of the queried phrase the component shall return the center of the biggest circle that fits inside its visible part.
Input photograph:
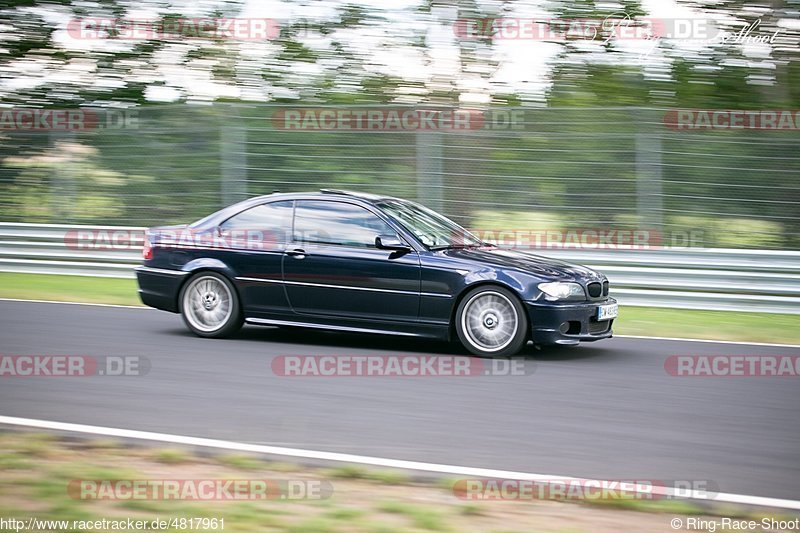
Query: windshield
(434, 230)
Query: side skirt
(433, 331)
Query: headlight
(560, 290)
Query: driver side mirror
(390, 242)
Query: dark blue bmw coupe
(355, 262)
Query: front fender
(521, 283)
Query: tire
(491, 322)
(210, 306)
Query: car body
(355, 262)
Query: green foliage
(171, 168)
(597, 85)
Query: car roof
(325, 193)
(231, 210)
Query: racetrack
(604, 411)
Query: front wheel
(491, 322)
(210, 305)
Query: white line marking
(743, 343)
(708, 341)
(382, 462)
(75, 303)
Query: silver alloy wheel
(490, 321)
(207, 303)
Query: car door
(253, 242)
(333, 268)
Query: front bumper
(568, 324)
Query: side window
(332, 222)
(260, 227)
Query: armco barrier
(687, 278)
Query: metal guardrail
(55, 249)
(687, 278)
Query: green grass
(241, 462)
(172, 457)
(359, 504)
(712, 325)
(387, 477)
(347, 472)
(471, 509)
(675, 507)
(14, 461)
(423, 517)
(313, 525)
(69, 288)
(347, 514)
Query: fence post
(233, 157)
(649, 191)
(429, 169)
(62, 185)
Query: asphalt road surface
(607, 410)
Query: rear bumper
(159, 287)
(567, 323)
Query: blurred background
(575, 135)
(186, 120)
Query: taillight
(147, 249)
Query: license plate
(607, 312)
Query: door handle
(297, 253)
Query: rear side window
(338, 223)
(259, 227)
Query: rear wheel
(210, 305)
(491, 322)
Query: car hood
(523, 261)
